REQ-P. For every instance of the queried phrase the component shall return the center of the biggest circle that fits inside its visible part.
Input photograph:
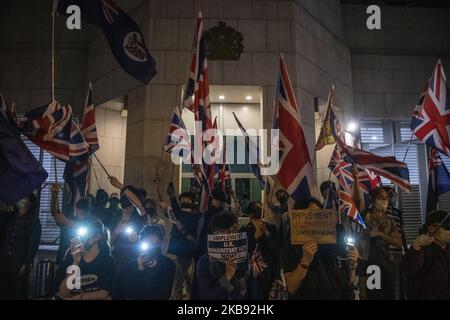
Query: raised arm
(61, 219)
(133, 198)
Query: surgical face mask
(113, 203)
(282, 198)
(186, 205)
(150, 210)
(88, 244)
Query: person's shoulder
(203, 261)
(168, 262)
(107, 259)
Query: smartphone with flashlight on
(146, 253)
(77, 242)
(350, 242)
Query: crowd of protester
(127, 245)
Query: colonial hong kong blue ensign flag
(20, 172)
(122, 33)
(295, 173)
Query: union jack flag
(431, 119)
(88, 127)
(178, 139)
(77, 176)
(331, 127)
(296, 173)
(347, 206)
(51, 127)
(196, 97)
(347, 173)
(387, 167)
(257, 263)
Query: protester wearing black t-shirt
(314, 272)
(22, 232)
(150, 276)
(217, 280)
(263, 254)
(90, 253)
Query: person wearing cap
(263, 253)
(125, 235)
(427, 262)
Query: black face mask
(185, 205)
(87, 245)
(150, 211)
(283, 199)
(113, 203)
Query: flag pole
(53, 53)
(56, 171)
(101, 164)
(409, 144)
(95, 173)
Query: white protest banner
(223, 246)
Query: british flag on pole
(52, 128)
(347, 206)
(348, 174)
(431, 119)
(88, 127)
(196, 99)
(296, 172)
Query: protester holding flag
(18, 246)
(426, 264)
(183, 239)
(67, 221)
(296, 171)
(311, 271)
(217, 280)
(263, 252)
(382, 232)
